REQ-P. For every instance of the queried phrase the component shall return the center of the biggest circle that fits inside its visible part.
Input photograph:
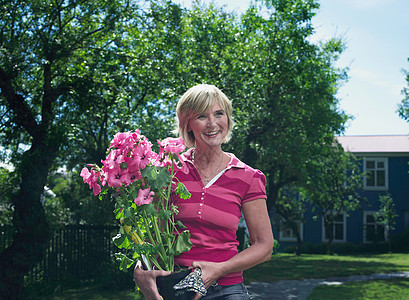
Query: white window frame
(376, 160)
(293, 238)
(366, 213)
(344, 228)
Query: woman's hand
(210, 273)
(146, 281)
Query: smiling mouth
(212, 133)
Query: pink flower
(117, 176)
(85, 174)
(144, 197)
(113, 159)
(123, 140)
(143, 154)
(92, 179)
(96, 188)
(172, 145)
(134, 173)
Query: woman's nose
(210, 121)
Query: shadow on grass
(92, 293)
(287, 267)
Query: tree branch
(23, 116)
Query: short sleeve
(257, 188)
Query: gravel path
(301, 289)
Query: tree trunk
(329, 230)
(299, 243)
(31, 227)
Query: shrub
(400, 242)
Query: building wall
(398, 188)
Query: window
(338, 229)
(376, 171)
(288, 235)
(373, 231)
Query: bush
(345, 248)
(400, 242)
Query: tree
(403, 109)
(282, 86)
(290, 208)
(42, 43)
(288, 87)
(129, 86)
(8, 183)
(334, 178)
(386, 216)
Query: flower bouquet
(141, 182)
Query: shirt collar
(233, 163)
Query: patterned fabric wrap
(192, 283)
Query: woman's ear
(188, 128)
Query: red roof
(375, 143)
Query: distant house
(385, 159)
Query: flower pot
(165, 285)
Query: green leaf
(128, 213)
(126, 262)
(180, 224)
(157, 177)
(150, 209)
(183, 243)
(182, 191)
(165, 214)
(121, 241)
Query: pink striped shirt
(213, 212)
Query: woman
(222, 188)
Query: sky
(376, 34)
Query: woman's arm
(262, 242)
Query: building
(385, 159)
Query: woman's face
(209, 128)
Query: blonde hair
(199, 99)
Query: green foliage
(403, 109)
(79, 202)
(113, 78)
(285, 104)
(290, 208)
(339, 248)
(8, 186)
(400, 242)
(334, 179)
(386, 215)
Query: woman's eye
(201, 117)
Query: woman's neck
(209, 163)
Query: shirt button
(199, 212)
(201, 204)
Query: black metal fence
(76, 251)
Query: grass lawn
(287, 266)
(95, 293)
(397, 289)
(308, 266)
